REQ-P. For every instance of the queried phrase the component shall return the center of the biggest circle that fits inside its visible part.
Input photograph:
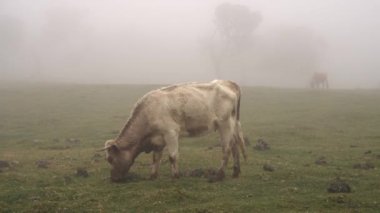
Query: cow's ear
(113, 148)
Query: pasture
(62, 126)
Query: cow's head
(121, 160)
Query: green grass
(300, 125)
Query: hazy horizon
(163, 42)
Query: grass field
(64, 125)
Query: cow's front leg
(156, 164)
(171, 139)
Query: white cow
(161, 116)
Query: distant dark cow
(161, 116)
(319, 80)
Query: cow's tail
(238, 106)
(239, 138)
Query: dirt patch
(344, 200)
(367, 152)
(200, 172)
(43, 164)
(211, 174)
(82, 172)
(131, 177)
(197, 173)
(261, 145)
(321, 161)
(364, 166)
(268, 167)
(4, 164)
(216, 177)
(338, 186)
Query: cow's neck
(133, 133)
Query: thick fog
(276, 43)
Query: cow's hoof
(236, 172)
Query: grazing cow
(161, 116)
(319, 79)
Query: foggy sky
(147, 41)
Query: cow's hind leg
(171, 140)
(236, 156)
(226, 137)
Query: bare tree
(234, 29)
(235, 24)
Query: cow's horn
(105, 148)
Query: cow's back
(195, 108)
